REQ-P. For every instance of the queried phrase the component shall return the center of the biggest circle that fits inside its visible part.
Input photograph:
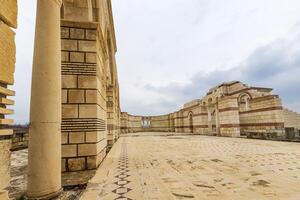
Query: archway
(191, 123)
(244, 102)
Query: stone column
(44, 167)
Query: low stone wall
(20, 139)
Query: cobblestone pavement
(197, 167)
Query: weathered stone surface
(9, 12)
(76, 57)
(76, 96)
(4, 163)
(69, 81)
(7, 53)
(87, 46)
(88, 82)
(69, 151)
(76, 33)
(91, 58)
(76, 138)
(87, 150)
(76, 164)
(69, 111)
(91, 96)
(70, 45)
(87, 111)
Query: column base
(46, 197)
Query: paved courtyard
(197, 167)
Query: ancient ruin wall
(90, 104)
(8, 21)
(229, 109)
(84, 107)
(291, 119)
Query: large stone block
(76, 33)
(69, 111)
(76, 57)
(76, 164)
(76, 96)
(9, 12)
(91, 57)
(87, 150)
(87, 82)
(88, 46)
(5, 163)
(76, 137)
(69, 81)
(65, 32)
(91, 96)
(69, 151)
(7, 54)
(92, 137)
(69, 45)
(87, 111)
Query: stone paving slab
(197, 167)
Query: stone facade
(230, 109)
(90, 94)
(8, 21)
(291, 124)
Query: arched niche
(244, 102)
(191, 121)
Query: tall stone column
(44, 167)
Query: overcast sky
(173, 51)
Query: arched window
(244, 102)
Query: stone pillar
(44, 167)
(229, 117)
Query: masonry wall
(229, 117)
(84, 119)
(229, 109)
(292, 124)
(265, 116)
(291, 119)
(8, 21)
(161, 123)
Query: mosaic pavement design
(122, 177)
(147, 167)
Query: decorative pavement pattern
(122, 177)
(149, 167)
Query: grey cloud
(274, 65)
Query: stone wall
(8, 21)
(84, 134)
(292, 123)
(229, 109)
(90, 88)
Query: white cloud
(162, 42)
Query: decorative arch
(244, 101)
